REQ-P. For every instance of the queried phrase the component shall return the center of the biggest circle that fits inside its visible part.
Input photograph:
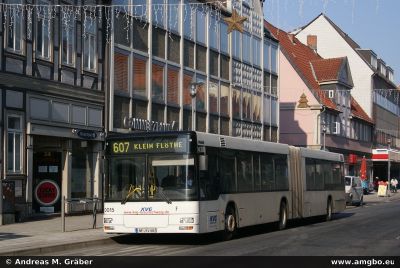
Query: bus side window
(209, 180)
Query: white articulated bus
(193, 182)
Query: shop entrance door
(47, 182)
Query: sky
(373, 24)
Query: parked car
(354, 191)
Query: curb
(59, 247)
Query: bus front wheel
(230, 223)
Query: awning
(383, 155)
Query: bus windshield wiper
(165, 197)
(131, 192)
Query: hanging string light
(89, 14)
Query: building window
(187, 80)
(139, 109)
(121, 110)
(224, 100)
(188, 54)
(246, 105)
(140, 34)
(266, 56)
(14, 27)
(174, 15)
(122, 36)
(201, 58)
(44, 34)
(158, 42)
(236, 103)
(213, 63)
(274, 59)
(190, 15)
(157, 112)
(173, 86)
(14, 143)
(256, 104)
(224, 67)
(247, 48)
(158, 12)
(213, 33)
(200, 27)
(158, 82)
(224, 38)
(90, 46)
(213, 97)
(201, 94)
(256, 52)
(174, 48)
(121, 71)
(68, 44)
(139, 77)
(236, 45)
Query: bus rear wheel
(329, 210)
(230, 224)
(282, 216)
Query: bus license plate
(146, 230)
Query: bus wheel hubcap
(230, 223)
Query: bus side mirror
(203, 162)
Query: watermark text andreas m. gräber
(48, 261)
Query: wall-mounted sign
(147, 125)
(86, 134)
(47, 193)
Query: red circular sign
(47, 192)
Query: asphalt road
(372, 230)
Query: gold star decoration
(235, 22)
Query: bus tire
(230, 223)
(329, 210)
(282, 216)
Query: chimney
(312, 42)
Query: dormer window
(383, 70)
(374, 61)
(390, 76)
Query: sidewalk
(46, 236)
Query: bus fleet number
(120, 147)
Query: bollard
(63, 213)
(94, 212)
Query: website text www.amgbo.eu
(363, 262)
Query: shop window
(14, 143)
(82, 170)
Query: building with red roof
(316, 106)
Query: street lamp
(389, 141)
(193, 93)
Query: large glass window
(189, 19)
(236, 44)
(121, 71)
(173, 15)
(201, 58)
(157, 112)
(140, 33)
(187, 80)
(236, 102)
(158, 42)
(139, 109)
(90, 46)
(14, 27)
(256, 52)
(188, 54)
(224, 101)
(68, 43)
(201, 94)
(213, 33)
(213, 97)
(14, 143)
(224, 38)
(246, 48)
(246, 105)
(267, 56)
(214, 63)
(158, 82)
(121, 110)
(174, 48)
(224, 67)
(81, 170)
(256, 104)
(201, 27)
(158, 12)
(44, 33)
(173, 86)
(139, 77)
(274, 59)
(123, 35)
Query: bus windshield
(168, 178)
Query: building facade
(317, 109)
(52, 105)
(168, 47)
(374, 87)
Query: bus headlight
(186, 220)
(107, 220)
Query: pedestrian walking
(394, 183)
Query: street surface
(370, 230)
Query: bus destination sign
(157, 145)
